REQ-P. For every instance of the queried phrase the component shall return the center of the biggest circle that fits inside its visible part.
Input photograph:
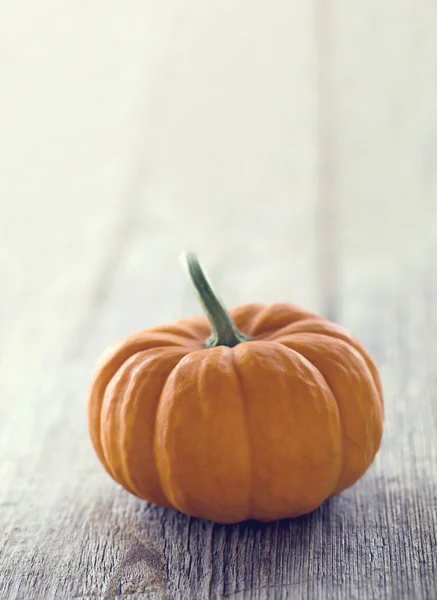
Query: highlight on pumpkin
(260, 412)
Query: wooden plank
(125, 169)
(82, 537)
(387, 191)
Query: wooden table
(294, 148)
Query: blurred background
(293, 145)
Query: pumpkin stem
(224, 330)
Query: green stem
(224, 330)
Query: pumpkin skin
(266, 429)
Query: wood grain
(102, 262)
(69, 532)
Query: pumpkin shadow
(247, 556)
(278, 554)
(156, 547)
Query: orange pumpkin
(273, 413)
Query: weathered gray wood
(91, 246)
(69, 532)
